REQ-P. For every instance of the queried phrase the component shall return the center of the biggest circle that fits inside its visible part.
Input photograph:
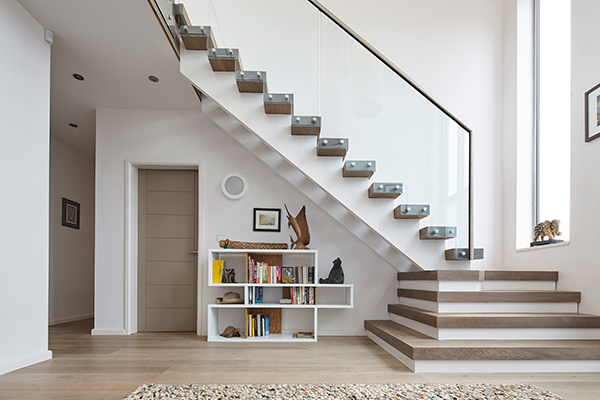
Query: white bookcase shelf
(287, 318)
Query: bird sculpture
(300, 227)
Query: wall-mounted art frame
(70, 213)
(592, 113)
(267, 219)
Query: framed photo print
(267, 219)
(592, 113)
(70, 213)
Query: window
(553, 111)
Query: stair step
(461, 254)
(332, 147)
(306, 125)
(501, 296)
(411, 211)
(358, 169)
(181, 15)
(437, 232)
(251, 81)
(225, 59)
(495, 321)
(389, 190)
(424, 354)
(473, 275)
(279, 103)
(197, 37)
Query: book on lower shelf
(262, 321)
(304, 335)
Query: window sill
(548, 246)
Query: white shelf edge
(283, 285)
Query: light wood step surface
(501, 296)
(495, 321)
(417, 346)
(471, 275)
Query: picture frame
(267, 220)
(592, 113)
(70, 213)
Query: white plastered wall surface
(577, 263)
(154, 137)
(24, 162)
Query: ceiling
(115, 45)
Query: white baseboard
(58, 321)
(25, 362)
(109, 332)
(342, 332)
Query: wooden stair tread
(489, 296)
(500, 320)
(473, 275)
(421, 347)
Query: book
(285, 301)
(218, 270)
(304, 335)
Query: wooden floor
(88, 367)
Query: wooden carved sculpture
(549, 229)
(300, 227)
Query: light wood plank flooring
(88, 367)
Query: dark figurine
(336, 275)
(229, 276)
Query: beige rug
(350, 391)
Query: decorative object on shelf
(231, 244)
(300, 226)
(336, 275)
(592, 113)
(304, 335)
(229, 298)
(229, 275)
(70, 213)
(230, 332)
(267, 219)
(234, 186)
(549, 229)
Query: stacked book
(258, 325)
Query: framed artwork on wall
(70, 213)
(592, 113)
(267, 219)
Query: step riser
(499, 334)
(489, 307)
(488, 366)
(467, 286)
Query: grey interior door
(167, 240)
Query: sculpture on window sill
(549, 229)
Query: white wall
(71, 250)
(577, 262)
(155, 137)
(24, 153)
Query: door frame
(130, 312)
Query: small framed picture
(267, 219)
(592, 113)
(70, 213)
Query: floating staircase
(488, 321)
(383, 236)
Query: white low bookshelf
(285, 319)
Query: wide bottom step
(423, 354)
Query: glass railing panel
(413, 140)
(165, 7)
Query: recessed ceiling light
(78, 77)
(72, 125)
(153, 78)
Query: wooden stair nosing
(476, 275)
(497, 321)
(420, 347)
(534, 296)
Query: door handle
(194, 252)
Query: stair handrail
(387, 62)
